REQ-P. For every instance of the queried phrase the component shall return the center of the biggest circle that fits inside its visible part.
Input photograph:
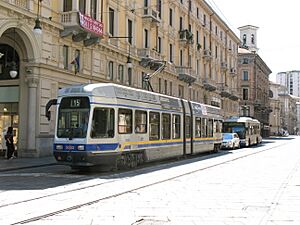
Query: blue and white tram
(110, 124)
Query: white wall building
(290, 79)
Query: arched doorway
(9, 87)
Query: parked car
(231, 141)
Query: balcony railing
(81, 27)
(20, 3)
(186, 74)
(186, 36)
(149, 53)
(224, 91)
(206, 54)
(152, 14)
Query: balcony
(209, 85)
(206, 54)
(225, 92)
(232, 71)
(151, 14)
(149, 53)
(224, 66)
(186, 37)
(186, 74)
(81, 27)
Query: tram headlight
(59, 147)
(80, 148)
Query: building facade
(290, 79)
(254, 80)
(46, 45)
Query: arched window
(111, 70)
(244, 39)
(252, 39)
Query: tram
(113, 125)
(248, 129)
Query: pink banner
(91, 24)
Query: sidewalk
(23, 163)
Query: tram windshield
(234, 127)
(73, 117)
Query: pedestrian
(9, 137)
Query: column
(32, 82)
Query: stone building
(254, 80)
(46, 45)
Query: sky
(278, 36)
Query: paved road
(258, 185)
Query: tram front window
(73, 117)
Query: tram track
(128, 175)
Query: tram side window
(188, 126)
(197, 127)
(166, 126)
(140, 121)
(103, 123)
(204, 127)
(125, 121)
(154, 126)
(176, 127)
(210, 128)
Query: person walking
(9, 137)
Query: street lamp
(13, 70)
(37, 27)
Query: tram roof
(111, 90)
(242, 119)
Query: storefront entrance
(9, 116)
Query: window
(197, 127)
(188, 126)
(171, 88)
(140, 121)
(166, 87)
(103, 123)
(111, 21)
(180, 91)
(180, 23)
(144, 81)
(190, 6)
(159, 85)
(67, 5)
(197, 13)
(159, 8)
(125, 121)
(129, 76)
(210, 128)
(245, 75)
(245, 93)
(82, 6)
(66, 56)
(244, 39)
(111, 70)
(121, 73)
(171, 17)
(166, 126)
(176, 127)
(203, 127)
(171, 53)
(154, 127)
(252, 39)
(204, 20)
(245, 61)
(146, 38)
(93, 9)
(159, 44)
(130, 31)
